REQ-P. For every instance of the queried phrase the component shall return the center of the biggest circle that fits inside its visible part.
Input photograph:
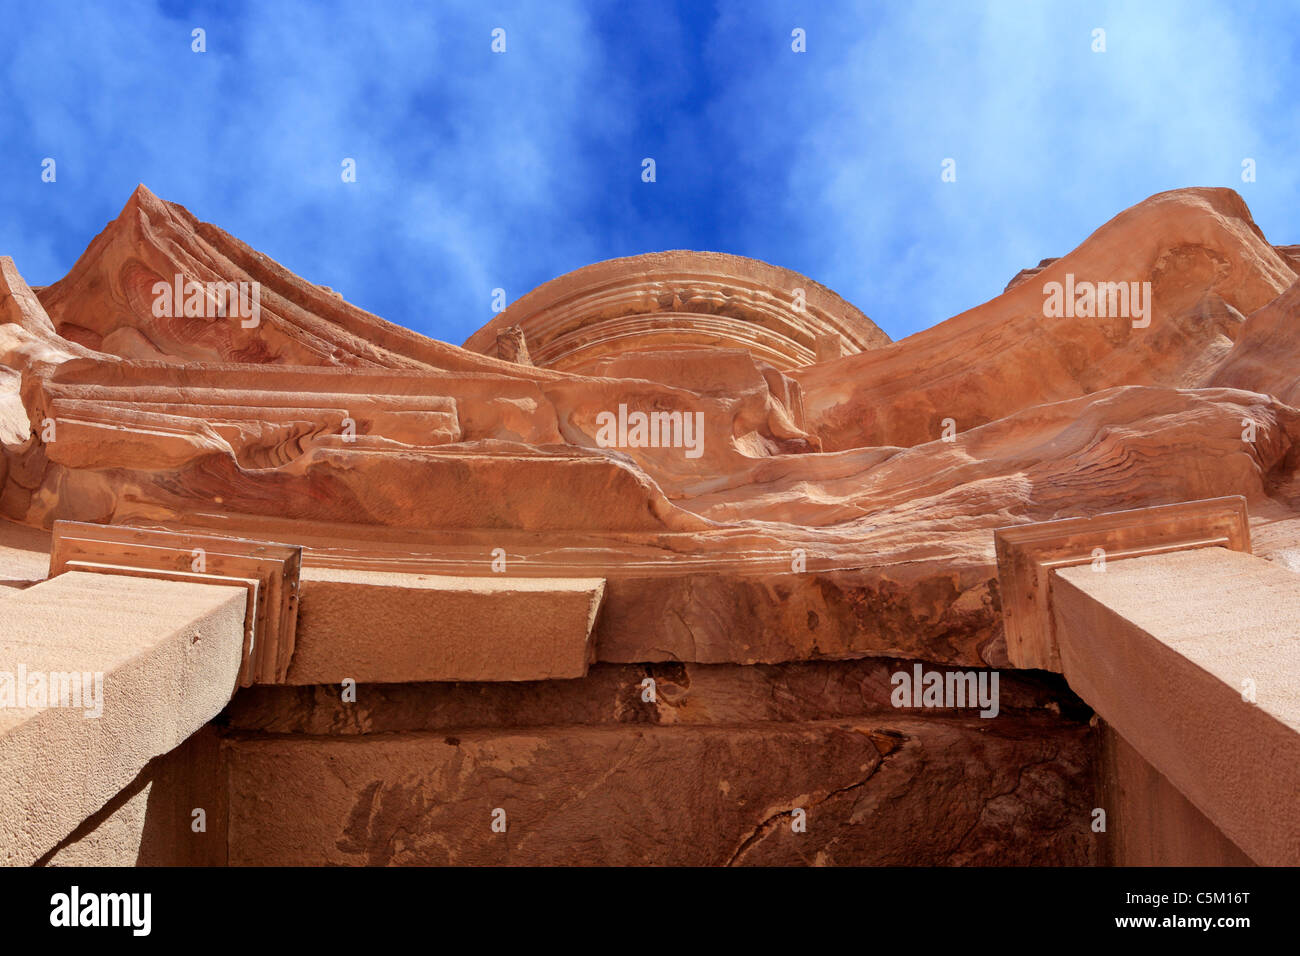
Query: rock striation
(778, 499)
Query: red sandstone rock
(453, 454)
(895, 791)
(1052, 416)
(839, 511)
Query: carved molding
(269, 572)
(1028, 554)
(677, 300)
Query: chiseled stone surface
(172, 814)
(890, 791)
(1207, 690)
(1148, 821)
(684, 694)
(707, 771)
(169, 654)
(442, 629)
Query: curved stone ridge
(681, 300)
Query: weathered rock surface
(1208, 264)
(894, 791)
(818, 507)
(825, 516)
(685, 695)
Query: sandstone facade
(804, 509)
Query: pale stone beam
(373, 626)
(1194, 658)
(169, 653)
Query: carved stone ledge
(140, 664)
(1193, 657)
(269, 572)
(1028, 554)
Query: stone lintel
(163, 659)
(268, 572)
(1193, 657)
(1028, 554)
(385, 627)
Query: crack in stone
(765, 827)
(979, 818)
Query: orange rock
(836, 503)
(831, 509)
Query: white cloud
(1051, 139)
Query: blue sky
(478, 170)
